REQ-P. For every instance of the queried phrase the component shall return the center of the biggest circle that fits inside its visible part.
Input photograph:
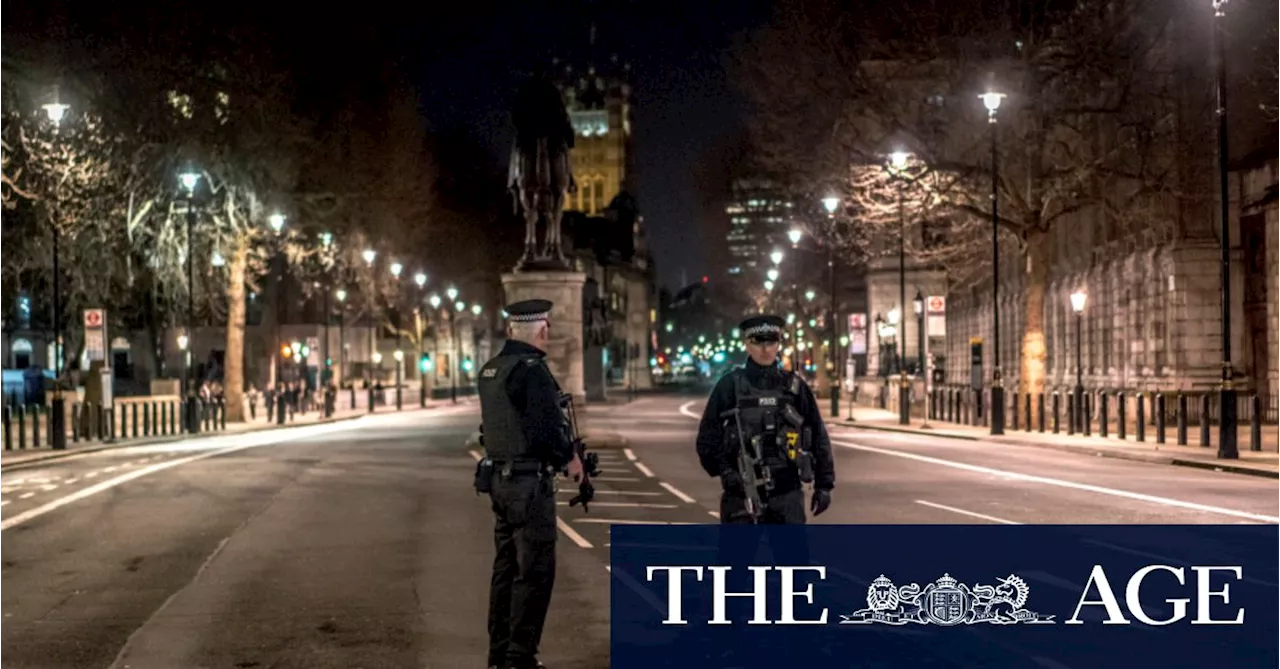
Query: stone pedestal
(565, 348)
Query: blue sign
(945, 596)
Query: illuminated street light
(56, 111)
(420, 279)
(776, 257)
(369, 256)
(794, 235)
(831, 203)
(276, 221)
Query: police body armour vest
(761, 410)
(503, 424)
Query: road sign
(857, 322)
(936, 312)
(94, 318)
(937, 304)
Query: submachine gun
(590, 461)
(750, 466)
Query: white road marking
(609, 521)
(27, 495)
(255, 440)
(1165, 501)
(572, 533)
(70, 480)
(476, 455)
(630, 505)
(3, 502)
(644, 470)
(631, 479)
(630, 454)
(637, 493)
(714, 514)
(674, 491)
(91, 475)
(49, 487)
(962, 512)
(108, 470)
(684, 410)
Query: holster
(484, 476)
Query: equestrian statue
(539, 175)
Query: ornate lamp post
(991, 101)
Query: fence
(27, 425)
(1106, 412)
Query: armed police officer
(526, 443)
(762, 434)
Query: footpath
(1256, 463)
(17, 458)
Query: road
(362, 543)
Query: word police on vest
(947, 602)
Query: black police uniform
(763, 395)
(526, 439)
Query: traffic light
(424, 363)
(306, 351)
(285, 351)
(466, 364)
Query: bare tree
(1086, 129)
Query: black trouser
(524, 567)
(786, 508)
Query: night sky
(469, 67)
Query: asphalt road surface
(362, 543)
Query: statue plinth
(564, 349)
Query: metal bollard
(1104, 416)
(75, 422)
(1086, 414)
(280, 409)
(1014, 413)
(1026, 409)
(22, 428)
(352, 391)
(1141, 416)
(35, 425)
(8, 428)
(1255, 424)
(1204, 421)
(1057, 399)
(1159, 418)
(370, 399)
(1182, 419)
(111, 420)
(1122, 426)
(173, 417)
(222, 414)
(1040, 411)
(1071, 413)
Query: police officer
(781, 424)
(526, 442)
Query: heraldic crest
(947, 602)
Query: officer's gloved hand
(731, 481)
(820, 501)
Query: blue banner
(945, 596)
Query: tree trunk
(1033, 338)
(233, 375)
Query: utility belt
(790, 451)
(507, 469)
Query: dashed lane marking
(962, 512)
(91, 475)
(675, 491)
(630, 505)
(644, 470)
(572, 533)
(630, 454)
(637, 493)
(3, 502)
(613, 521)
(27, 495)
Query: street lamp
(369, 256)
(476, 309)
(341, 294)
(991, 100)
(420, 279)
(772, 274)
(396, 269)
(776, 257)
(57, 418)
(897, 163)
(831, 203)
(1078, 299)
(809, 295)
(794, 235)
(189, 181)
(1227, 447)
(918, 305)
(276, 221)
(768, 286)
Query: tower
(597, 95)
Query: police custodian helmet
(762, 328)
(528, 311)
